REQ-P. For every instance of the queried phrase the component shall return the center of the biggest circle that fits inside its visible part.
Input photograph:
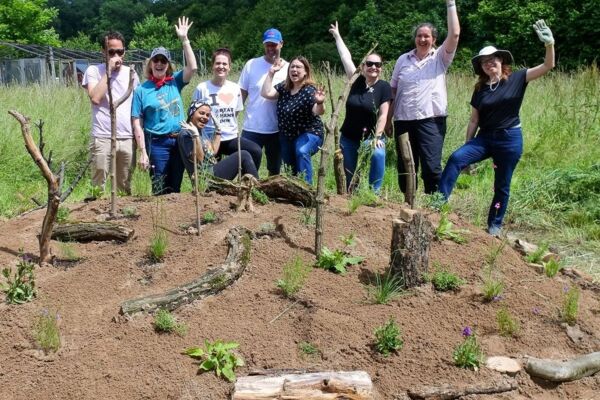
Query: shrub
(536, 256)
(218, 356)
(387, 287)
(21, 287)
(493, 285)
(388, 338)
(552, 267)
(165, 322)
(209, 217)
(68, 252)
(570, 307)
(468, 354)
(159, 240)
(507, 326)
(129, 211)
(259, 196)
(46, 331)
(336, 261)
(295, 273)
(444, 280)
(445, 230)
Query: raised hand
(277, 65)
(333, 29)
(320, 95)
(543, 32)
(187, 125)
(182, 27)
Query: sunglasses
(119, 52)
(376, 64)
(160, 60)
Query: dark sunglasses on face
(160, 60)
(119, 52)
(373, 64)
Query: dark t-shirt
(499, 109)
(294, 111)
(362, 107)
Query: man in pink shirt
(420, 100)
(95, 81)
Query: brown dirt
(106, 357)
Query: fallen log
(447, 392)
(83, 232)
(213, 281)
(275, 187)
(558, 371)
(351, 385)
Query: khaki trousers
(100, 151)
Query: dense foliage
(238, 24)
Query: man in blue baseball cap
(260, 118)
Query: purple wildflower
(565, 288)
(497, 297)
(535, 311)
(497, 206)
(467, 331)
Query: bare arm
(182, 28)
(389, 126)
(382, 118)
(473, 124)
(343, 51)
(138, 133)
(545, 35)
(451, 42)
(244, 95)
(268, 91)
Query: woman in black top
(299, 106)
(495, 103)
(366, 114)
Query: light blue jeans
(297, 152)
(350, 150)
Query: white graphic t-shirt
(225, 102)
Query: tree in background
(154, 32)
(81, 42)
(28, 21)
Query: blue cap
(272, 35)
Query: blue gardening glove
(543, 32)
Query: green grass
(554, 198)
(294, 274)
(386, 287)
(46, 331)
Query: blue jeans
(297, 152)
(270, 141)
(505, 148)
(350, 150)
(166, 166)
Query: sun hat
(505, 55)
(161, 51)
(272, 35)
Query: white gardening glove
(543, 32)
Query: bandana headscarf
(196, 105)
(160, 82)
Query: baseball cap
(161, 51)
(272, 35)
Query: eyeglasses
(161, 60)
(376, 64)
(119, 52)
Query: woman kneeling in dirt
(199, 114)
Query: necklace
(492, 88)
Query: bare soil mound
(105, 356)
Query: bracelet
(217, 133)
(186, 41)
(451, 4)
(549, 44)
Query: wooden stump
(410, 247)
(91, 231)
(409, 167)
(211, 282)
(355, 385)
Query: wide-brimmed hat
(161, 51)
(504, 55)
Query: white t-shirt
(101, 113)
(225, 102)
(261, 114)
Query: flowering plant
(468, 354)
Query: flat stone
(575, 334)
(506, 365)
(406, 214)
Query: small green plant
(21, 287)
(307, 216)
(259, 196)
(295, 273)
(552, 267)
(217, 356)
(141, 185)
(445, 228)
(444, 280)
(387, 286)
(96, 192)
(267, 227)
(46, 331)
(493, 285)
(165, 322)
(159, 240)
(435, 201)
(362, 196)
(570, 307)
(536, 256)
(336, 261)
(219, 282)
(308, 348)
(468, 354)
(388, 338)
(348, 240)
(507, 325)
(62, 214)
(495, 251)
(209, 217)
(68, 252)
(129, 211)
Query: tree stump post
(409, 167)
(409, 258)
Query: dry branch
(211, 282)
(409, 167)
(447, 392)
(351, 385)
(91, 231)
(558, 371)
(275, 187)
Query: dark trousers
(228, 167)
(505, 148)
(426, 141)
(166, 167)
(231, 146)
(270, 141)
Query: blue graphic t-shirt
(160, 109)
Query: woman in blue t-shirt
(157, 110)
(299, 106)
(496, 102)
(366, 114)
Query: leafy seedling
(388, 338)
(217, 356)
(337, 260)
